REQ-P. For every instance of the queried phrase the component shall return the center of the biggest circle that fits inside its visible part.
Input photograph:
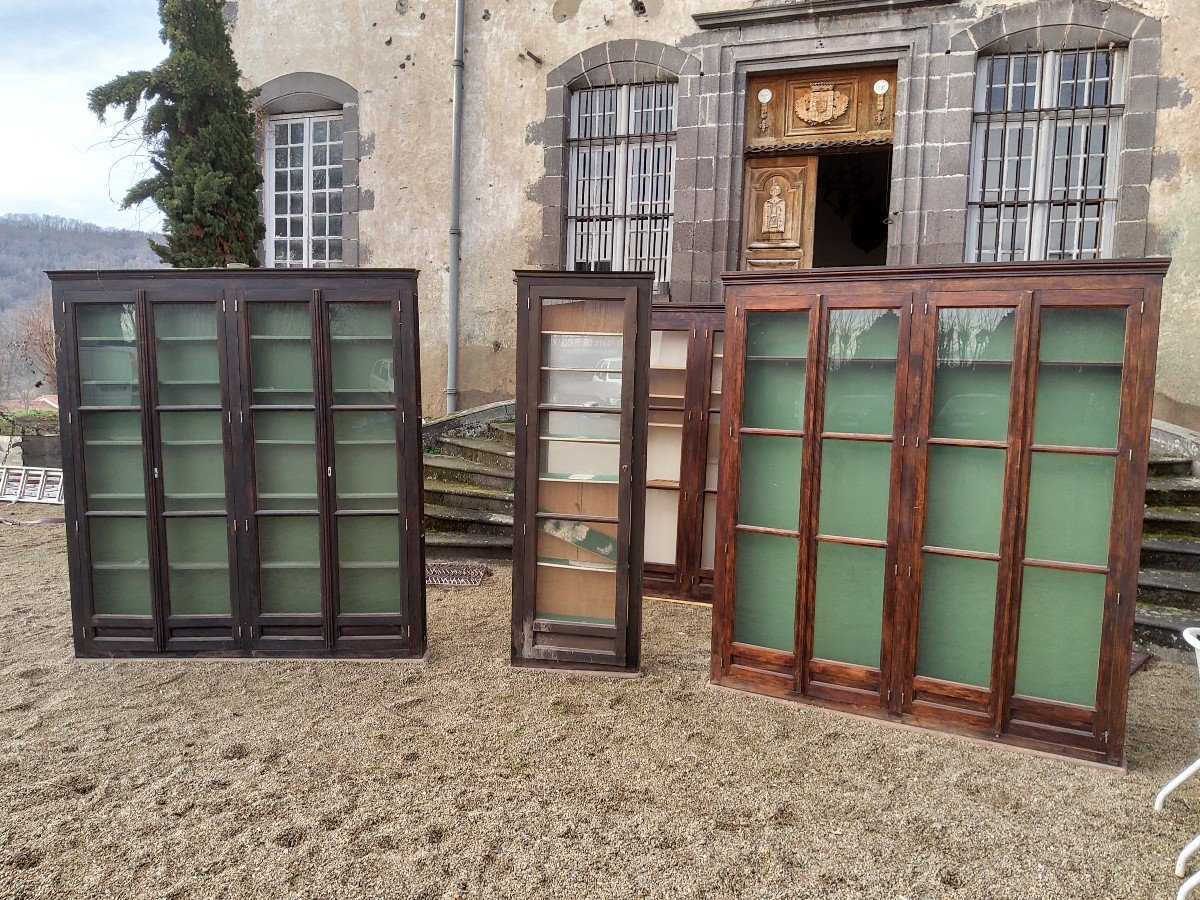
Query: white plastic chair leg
(1186, 887)
(1184, 855)
(1174, 783)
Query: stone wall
(522, 57)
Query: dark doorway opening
(850, 225)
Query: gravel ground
(464, 778)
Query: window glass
(304, 196)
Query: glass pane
(281, 353)
(120, 566)
(1079, 377)
(112, 458)
(579, 498)
(369, 564)
(773, 394)
(974, 371)
(717, 379)
(860, 379)
(664, 449)
(712, 464)
(186, 356)
(958, 611)
(580, 351)
(764, 610)
(770, 481)
(708, 544)
(963, 504)
(600, 388)
(108, 356)
(361, 335)
(605, 317)
(777, 334)
(668, 367)
(597, 425)
(577, 567)
(579, 461)
(198, 566)
(1070, 508)
(285, 459)
(662, 526)
(848, 620)
(365, 459)
(1058, 649)
(289, 560)
(193, 457)
(855, 480)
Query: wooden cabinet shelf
(274, 488)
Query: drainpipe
(455, 212)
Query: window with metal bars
(304, 191)
(621, 179)
(1044, 152)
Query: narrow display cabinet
(932, 490)
(682, 449)
(582, 361)
(242, 461)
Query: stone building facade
(382, 69)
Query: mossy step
(1170, 465)
(456, 545)
(1182, 556)
(455, 493)
(1170, 589)
(481, 450)
(1173, 490)
(504, 432)
(460, 514)
(1162, 626)
(1172, 522)
(466, 471)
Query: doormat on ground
(455, 574)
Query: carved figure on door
(774, 211)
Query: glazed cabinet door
(581, 468)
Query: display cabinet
(582, 362)
(932, 487)
(242, 461)
(682, 447)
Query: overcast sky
(55, 158)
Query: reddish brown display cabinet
(582, 351)
(931, 494)
(242, 461)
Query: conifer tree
(199, 129)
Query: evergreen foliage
(199, 128)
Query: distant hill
(31, 244)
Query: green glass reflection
(193, 460)
(1070, 508)
(848, 619)
(281, 353)
(289, 563)
(855, 481)
(777, 334)
(764, 610)
(860, 372)
(770, 481)
(773, 394)
(1058, 648)
(285, 459)
(108, 354)
(958, 612)
(964, 499)
(974, 373)
(120, 566)
(1078, 400)
(186, 358)
(365, 447)
(361, 334)
(369, 564)
(112, 459)
(198, 566)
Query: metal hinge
(223, 305)
(156, 471)
(235, 304)
(523, 530)
(1143, 307)
(235, 526)
(77, 526)
(910, 307)
(329, 471)
(526, 420)
(889, 697)
(926, 307)
(1118, 598)
(69, 420)
(917, 443)
(229, 418)
(64, 306)
(903, 438)
(1105, 736)
(737, 311)
(896, 569)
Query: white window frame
(1045, 116)
(615, 152)
(269, 191)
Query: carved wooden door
(777, 231)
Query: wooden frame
(572, 637)
(687, 577)
(230, 295)
(1020, 294)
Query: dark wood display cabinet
(242, 461)
(583, 347)
(682, 449)
(932, 485)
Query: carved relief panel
(778, 214)
(820, 108)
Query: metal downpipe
(455, 211)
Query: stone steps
(439, 467)
(469, 496)
(1169, 575)
(485, 452)
(1169, 465)
(1171, 523)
